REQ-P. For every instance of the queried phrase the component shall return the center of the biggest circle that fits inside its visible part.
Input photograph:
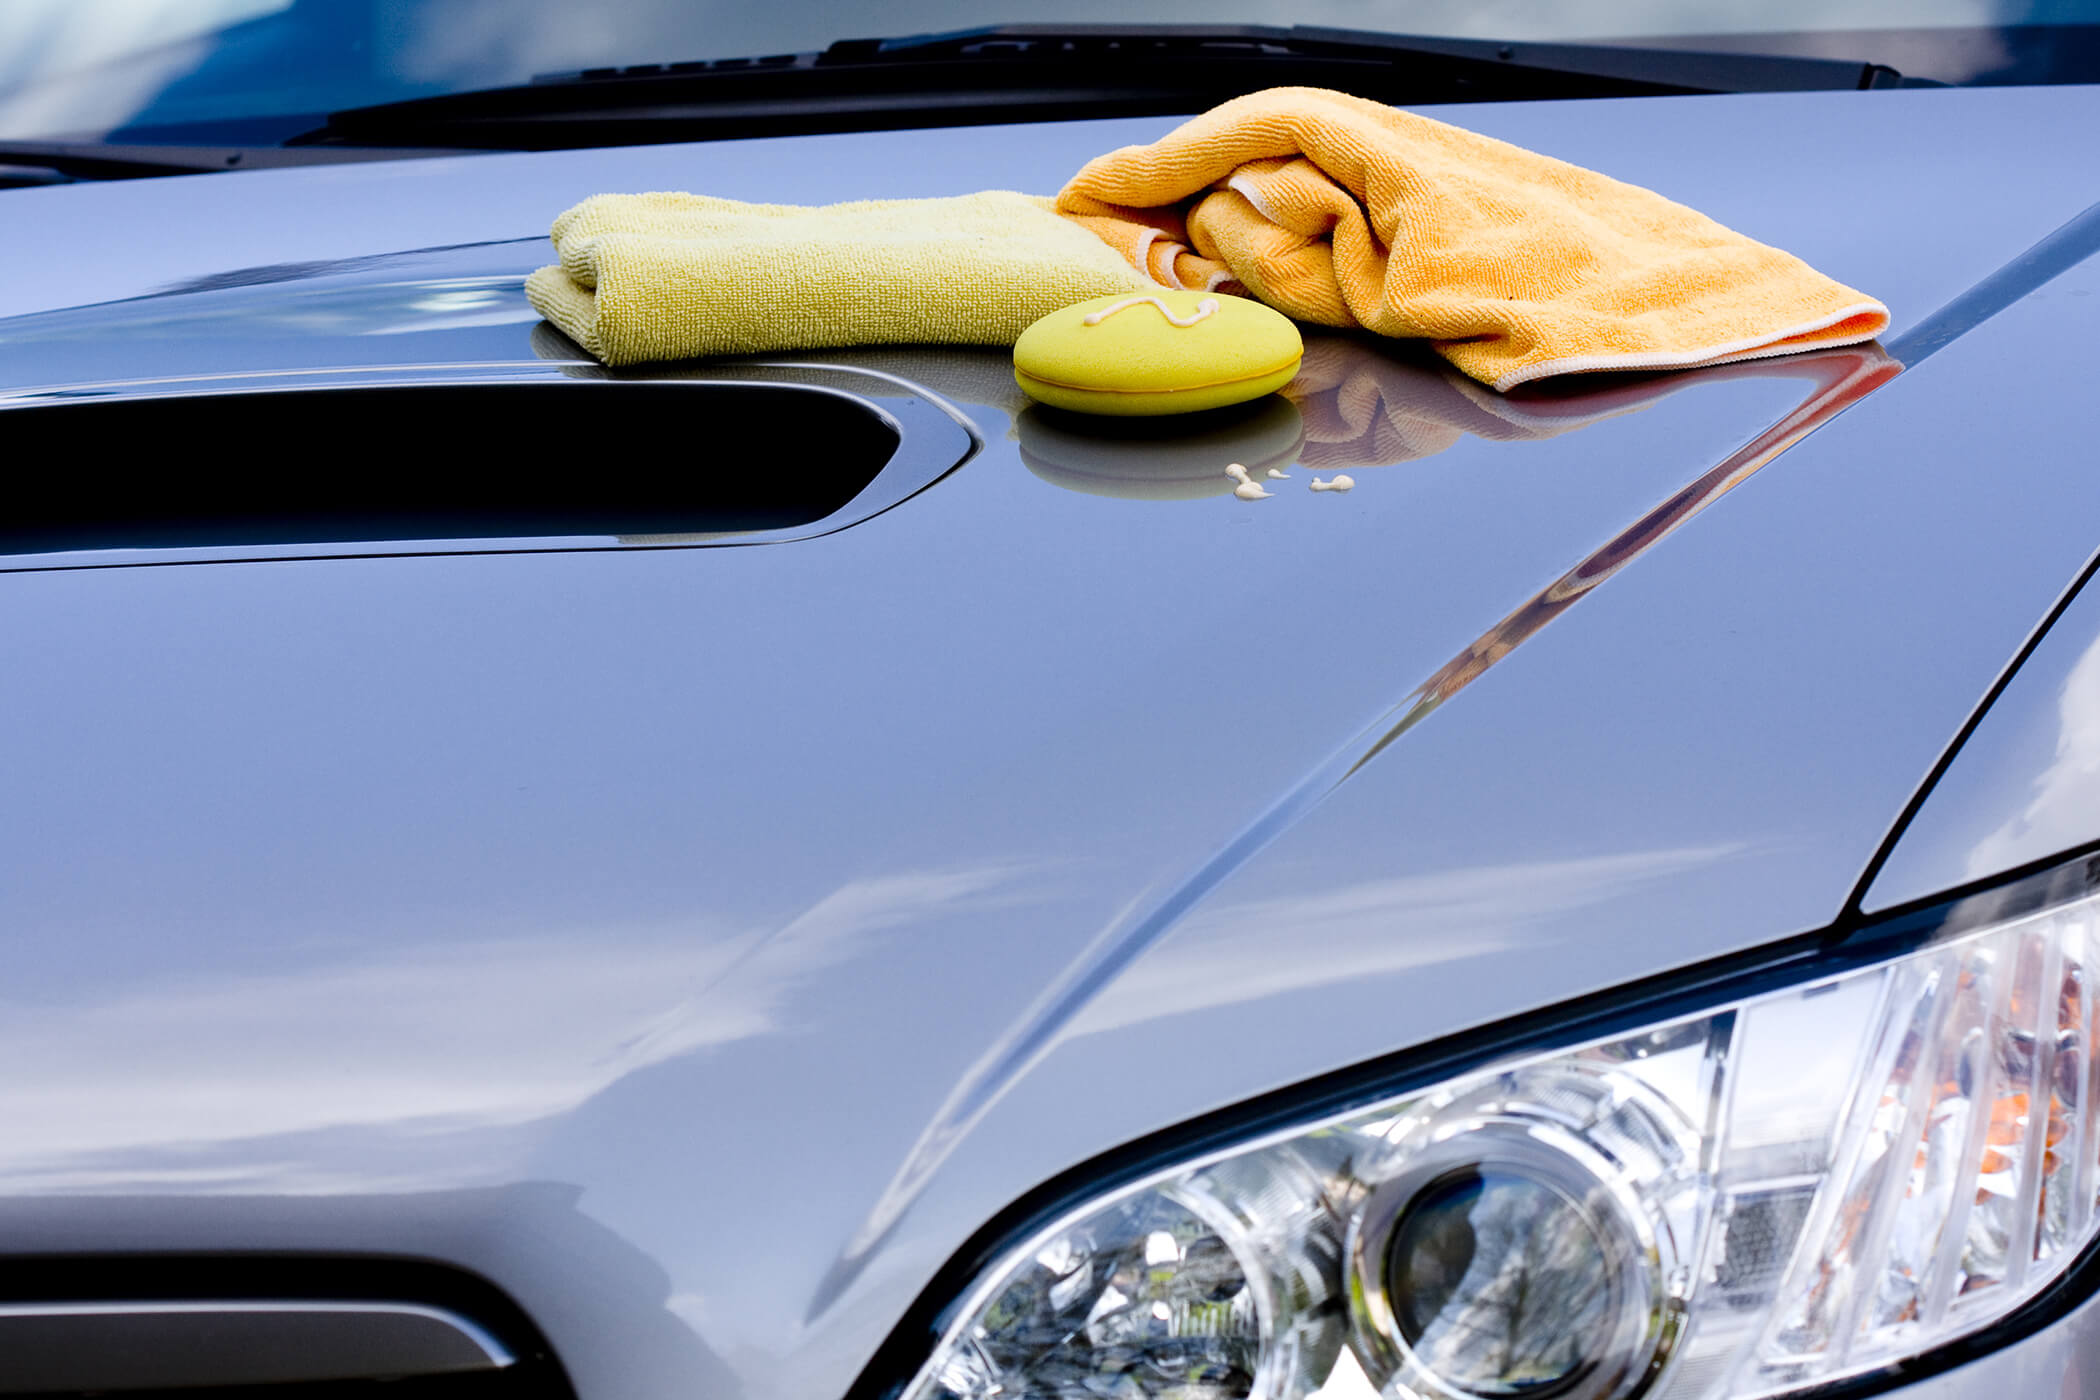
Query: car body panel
(2024, 785)
(2059, 1362)
(702, 942)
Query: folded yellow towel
(1345, 212)
(670, 276)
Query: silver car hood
(701, 943)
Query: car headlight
(1858, 1156)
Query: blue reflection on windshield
(259, 70)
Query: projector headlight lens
(1515, 1236)
(1489, 1254)
(1779, 1191)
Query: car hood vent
(520, 461)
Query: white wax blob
(1206, 307)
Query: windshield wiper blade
(60, 162)
(1045, 73)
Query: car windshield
(260, 70)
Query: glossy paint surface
(701, 943)
(2061, 1362)
(2025, 784)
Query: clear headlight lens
(1770, 1195)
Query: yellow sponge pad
(1157, 352)
(670, 276)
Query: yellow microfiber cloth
(1345, 212)
(671, 276)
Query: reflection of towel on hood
(1367, 405)
(1364, 408)
(1345, 212)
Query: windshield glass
(259, 70)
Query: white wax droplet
(1206, 307)
(1252, 491)
(1275, 475)
(1340, 483)
(1237, 472)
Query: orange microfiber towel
(1345, 212)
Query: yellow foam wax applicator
(1159, 352)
